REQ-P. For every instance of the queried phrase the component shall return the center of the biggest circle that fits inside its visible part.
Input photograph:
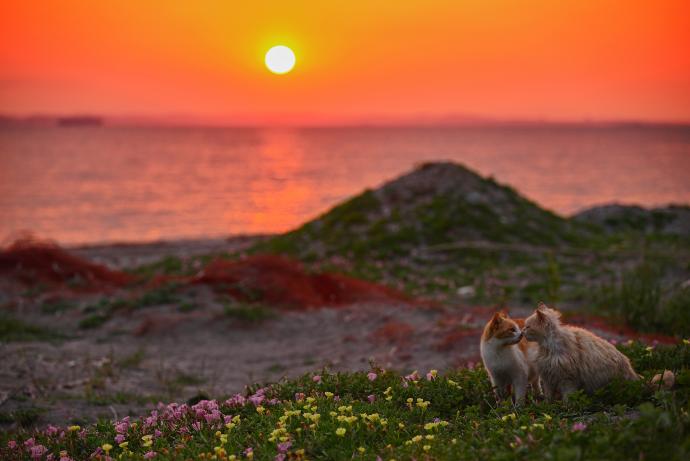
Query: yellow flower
(328, 394)
(311, 399)
(260, 410)
(538, 426)
(453, 441)
(73, 428)
(547, 417)
(426, 447)
(429, 437)
(340, 431)
(401, 425)
(123, 445)
(417, 438)
(509, 416)
(232, 458)
(422, 404)
(300, 452)
(361, 449)
(106, 447)
(686, 341)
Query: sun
(280, 59)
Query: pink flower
(613, 341)
(372, 376)
(150, 455)
(236, 401)
(316, 378)
(227, 419)
(119, 438)
(11, 444)
(28, 443)
(414, 376)
(371, 398)
(280, 457)
(284, 447)
(336, 398)
(299, 396)
(157, 433)
(248, 451)
(51, 430)
(518, 441)
(256, 399)
(37, 451)
(196, 426)
(579, 427)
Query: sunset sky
(356, 60)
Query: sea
(81, 185)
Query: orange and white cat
(572, 358)
(508, 358)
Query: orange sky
(357, 60)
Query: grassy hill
(436, 203)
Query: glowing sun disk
(280, 59)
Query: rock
(467, 291)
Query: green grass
(23, 417)
(12, 329)
(644, 301)
(248, 313)
(451, 417)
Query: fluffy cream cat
(571, 358)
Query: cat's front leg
(519, 391)
(549, 391)
(567, 388)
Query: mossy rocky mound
(436, 203)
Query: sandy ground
(166, 353)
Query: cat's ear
(496, 319)
(541, 306)
(503, 313)
(541, 316)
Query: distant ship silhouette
(80, 121)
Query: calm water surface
(87, 185)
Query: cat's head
(502, 329)
(541, 323)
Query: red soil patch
(35, 262)
(393, 332)
(601, 323)
(276, 280)
(458, 338)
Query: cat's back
(598, 359)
